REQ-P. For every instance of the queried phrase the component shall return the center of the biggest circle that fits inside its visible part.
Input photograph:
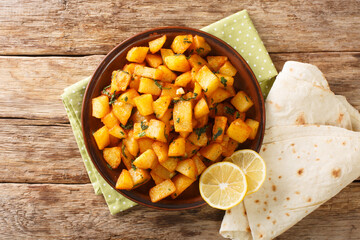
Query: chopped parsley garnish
(219, 132)
(124, 71)
(126, 98)
(194, 151)
(144, 126)
(183, 99)
(178, 120)
(133, 166)
(159, 85)
(104, 91)
(199, 63)
(188, 57)
(178, 54)
(199, 50)
(113, 97)
(123, 151)
(229, 110)
(223, 81)
(237, 115)
(187, 41)
(200, 131)
(108, 165)
(246, 99)
(122, 133)
(128, 126)
(206, 90)
(142, 134)
(214, 107)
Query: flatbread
(297, 98)
(235, 224)
(306, 166)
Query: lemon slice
(223, 185)
(253, 166)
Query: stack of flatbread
(311, 149)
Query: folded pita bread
(314, 101)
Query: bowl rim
(105, 62)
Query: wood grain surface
(82, 27)
(46, 46)
(60, 211)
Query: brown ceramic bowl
(116, 59)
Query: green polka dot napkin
(237, 30)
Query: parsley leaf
(219, 132)
(229, 110)
(200, 131)
(237, 115)
(223, 81)
(178, 120)
(113, 97)
(183, 99)
(142, 134)
(104, 91)
(159, 85)
(123, 151)
(108, 165)
(128, 126)
(199, 50)
(126, 98)
(144, 126)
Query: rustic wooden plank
(36, 152)
(37, 83)
(37, 211)
(82, 27)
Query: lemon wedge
(252, 165)
(223, 185)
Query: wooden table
(46, 46)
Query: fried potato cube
(109, 120)
(100, 106)
(219, 128)
(156, 130)
(177, 63)
(207, 80)
(196, 61)
(242, 101)
(134, 84)
(181, 43)
(129, 96)
(239, 131)
(117, 131)
(162, 190)
(130, 68)
(166, 52)
(147, 159)
(161, 150)
(201, 109)
(200, 166)
(162, 172)
(230, 90)
(190, 149)
(182, 115)
(138, 118)
(156, 44)
(198, 91)
(148, 85)
(139, 176)
(114, 141)
(183, 79)
(124, 181)
(131, 143)
(211, 151)
(181, 183)
(199, 140)
(148, 72)
(112, 156)
(254, 125)
(177, 147)
(137, 54)
(184, 134)
(187, 167)
(220, 95)
(203, 121)
(216, 62)
(139, 130)
(168, 75)
(228, 69)
(145, 144)
(144, 104)
(200, 46)
(170, 164)
(122, 111)
(167, 116)
(170, 90)
(153, 60)
(161, 105)
(126, 157)
(225, 80)
(102, 137)
(156, 178)
(120, 81)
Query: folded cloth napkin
(237, 30)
